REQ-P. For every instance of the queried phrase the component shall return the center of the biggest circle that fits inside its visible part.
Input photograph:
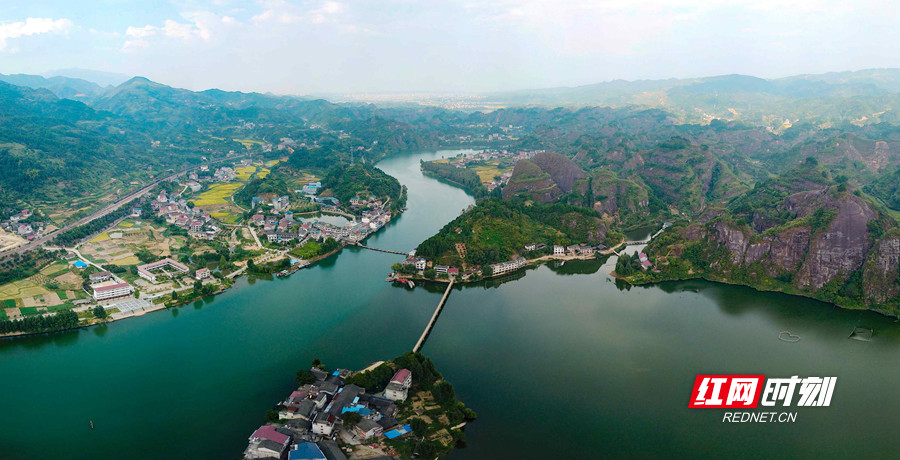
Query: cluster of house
(197, 222)
(488, 155)
(570, 250)
(285, 229)
(313, 418)
(370, 202)
(224, 174)
(27, 230)
(311, 188)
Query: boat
(393, 279)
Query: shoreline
(163, 306)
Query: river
(561, 363)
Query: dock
(434, 317)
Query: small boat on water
(92, 424)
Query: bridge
(380, 250)
(633, 243)
(434, 317)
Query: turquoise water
(560, 363)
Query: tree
(317, 363)
(487, 270)
(100, 312)
(419, 426)
(351, 418)
(305, 377)
(443, 392)
(174, 295)
(198, 285)
(430, 273)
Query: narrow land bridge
(434, 317)
(380, 250)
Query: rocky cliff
(833, 245)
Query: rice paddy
(217, 194)
(243, 173)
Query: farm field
(243, 173)
(217, 194)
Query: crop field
(101, 237)
(217, 194)
(243, 173)
(21, 289)
(248, 142)
(263, 172)
(486, 173)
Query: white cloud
(199, 26)
(286, 12)
(32, 26)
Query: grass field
(217, 194)
(227, 217)
(130, 260)
(29, 311)
(55, 269)
(243, 173)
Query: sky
(465, 46)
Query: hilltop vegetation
(804, 233)
(496, 230)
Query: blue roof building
(306, 451)
(79, 264)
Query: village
(419, 268)
(332, 416)
(187, 239)
(494, 167)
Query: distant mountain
(96, 76)
(64, 87)
(861, 97)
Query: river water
(560, 363)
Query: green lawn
(2, 315)
(29, 311)
(308, 250)
(61, 294)
(10, 303)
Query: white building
(398, 388)
(145, 271)
(111, 289)
(559, 250)
(421, 264)
(508, 266)
(324, 424)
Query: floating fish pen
(861, 333)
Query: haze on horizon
(308, 47)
